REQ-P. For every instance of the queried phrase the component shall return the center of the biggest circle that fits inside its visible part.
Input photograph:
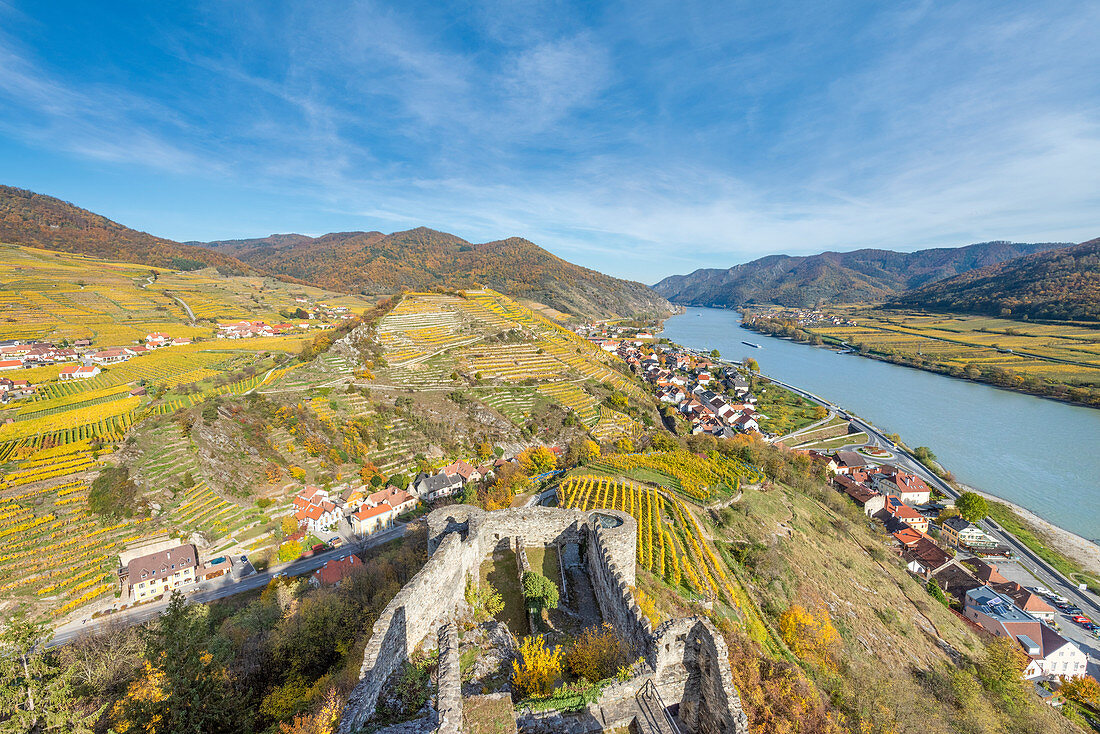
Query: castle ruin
(682, 682)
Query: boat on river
(756, 346)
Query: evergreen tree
(36, 692)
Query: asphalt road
(219, 588)
(1047, 574)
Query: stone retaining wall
(449, 696)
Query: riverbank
(1053, 376)
(1047, 536)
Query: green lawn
(500, 571)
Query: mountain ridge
(39, 220)
(867, 275)
(420, 258)
(1061, 284)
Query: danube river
(1040, 454)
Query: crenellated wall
(685, 658)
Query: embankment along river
(1040, 454)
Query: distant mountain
(1062, 284)
(372, 262)
(36, 220)
(835, 277)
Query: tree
(751, 364)
(1003, 666)
(290, 550)
(288, 525)
(484, 450)
(715, 354)
(937, 592)
(537, 667)
(538, 460)
(36, 692)
(539, 592)
(1081, 688)
(188, 691)
(624, 446)
(972, 506)
(820, 412)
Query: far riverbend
(1040, 454)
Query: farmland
(517, 360)
(1060, 360)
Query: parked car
(1080, 619)
(335, 541)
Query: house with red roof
(369, 520)
(398, 499)
(11, 364)
(83, 372)
(907, 487)
(334, 570)
(902, 512)
(314, 511)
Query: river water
(1040, 454)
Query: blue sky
(638, 138)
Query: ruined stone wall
(431, 596)
(686, 658)
(459, 537)
(449, 696)
(611, 570)
(692, 667)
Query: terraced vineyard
(698, 478)
(51, 552)
(489, 337)
(670, 544)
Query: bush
(536, 669)
(597, 654)
(539, 592)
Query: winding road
(220, 588)
(1050, 576)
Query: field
(671, 543)
(517, 359)
(970, 345)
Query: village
(83, 360)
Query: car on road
(280, 575)
(1079, 619)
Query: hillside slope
(1061, 284)
(418, 259)
(834, 277)
(27, 218)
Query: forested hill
(36, 220)
(1062, 284)
(372, 262)
(835, 277)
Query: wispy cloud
(627, 137)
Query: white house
(372, 519)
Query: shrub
(539, 592)
(537, 668)
(597, 654)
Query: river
(1040, 454)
